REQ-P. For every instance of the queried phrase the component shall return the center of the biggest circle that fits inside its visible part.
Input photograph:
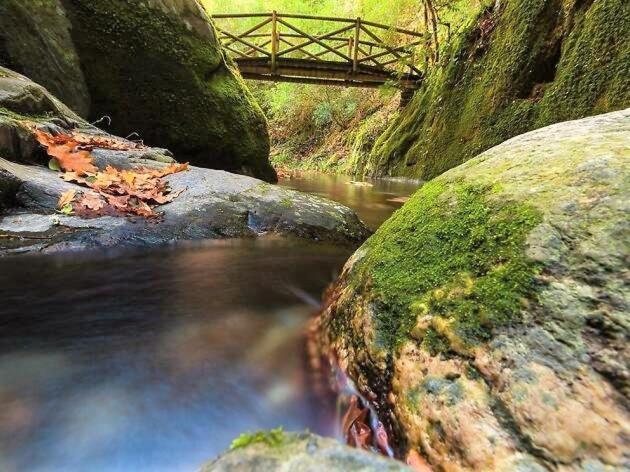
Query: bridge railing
(355, 42)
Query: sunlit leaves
(112, 191)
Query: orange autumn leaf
(119, 191)
(65, 151)
(417, 462)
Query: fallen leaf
(66, 198)
(91, 201)
(417, 462)
(65, 150)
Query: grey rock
(302, 453)
(213, 203)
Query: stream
(155, 360)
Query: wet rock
(214, 204)
(302, 452)
(35, 41)
(489, 316)
(157, 68)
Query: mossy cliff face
(519, 66)
(488, 318)
(35, 41)
(156, 68)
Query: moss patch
(525, 65)
(273, 438)
(449, 267)
(35, 41)
(173, 86)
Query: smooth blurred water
(155, 360)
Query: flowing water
(155, 360)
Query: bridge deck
(293, 48)
(322, 73)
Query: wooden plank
(394, 53)
(390, 51)
(312, 81)
(318, 18)
(251, 30)
(317, 40)
(243, 41)
(356, 43)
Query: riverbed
(155, 360)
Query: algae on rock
(488, 318)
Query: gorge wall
(521, 65)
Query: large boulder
(156, 68)
(304, 452)
(214, 203)
(35, 40)
(519, 66)
(489, 317)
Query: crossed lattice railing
(359, 44)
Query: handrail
(353, 42)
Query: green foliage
(526, 65)
(273, 438)
(453, 256)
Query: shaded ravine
(155, 360)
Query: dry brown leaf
(133, 192)
(91, 201)
(65, 150)
(417, 462)
(66, 198)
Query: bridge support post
(357, 44)
(274, 42)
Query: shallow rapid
(155, 360)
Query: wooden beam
(391, 51)
(315, 57)
(394, 53)
(315, 39)
(243, 41)
(251, 30)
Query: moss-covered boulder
(489, 317)
(277, 451)
(156, 68)
(211, 204)
(35, 41)
(520, 65)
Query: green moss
(169, 83)
(273, 438)
(35, 41)
(454, 257)
(534, 63)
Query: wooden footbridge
(322, 50)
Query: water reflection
(157, 360)
(373, 200)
